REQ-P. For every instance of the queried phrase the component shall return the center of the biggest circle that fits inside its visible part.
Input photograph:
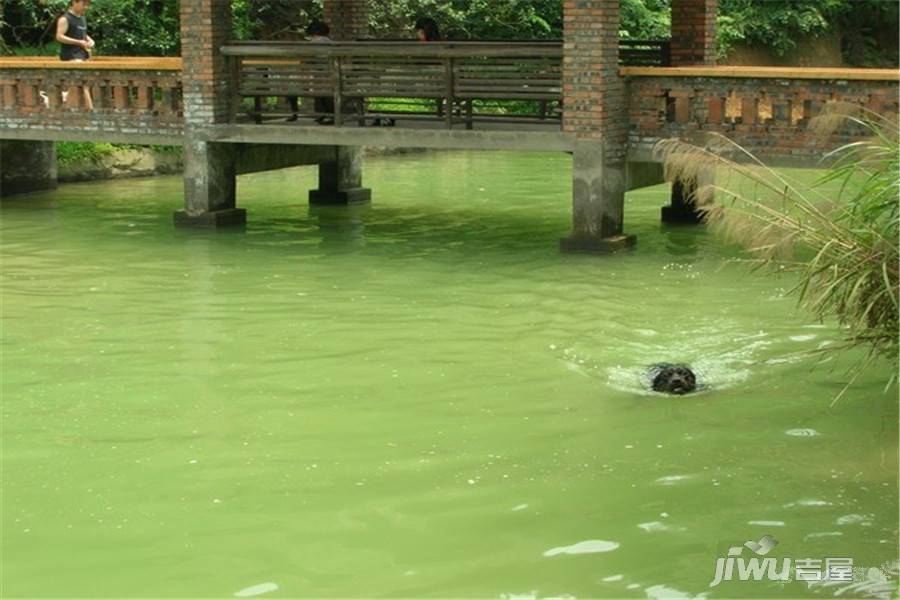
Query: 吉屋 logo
(754, 568)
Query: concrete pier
(682, 209)
(340, 179)
(598, 201)
(210, 173)
(26, 167)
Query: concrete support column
(209, 181)
(694, 32)
(595, 112)
(340, 180)
(348, 19)
(26, 167)
(598, 199)
(210, 174)
(683, 207)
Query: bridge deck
(451, 95)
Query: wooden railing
(109, 91)
(456, 82)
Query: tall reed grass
(840, 234)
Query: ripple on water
(669, 593)
(808, 502)
(802, 432)
(821, 534)
(672, 479)
(257, 590)
(585, 547)
(802, 338)
(720, 356)
(654, 526)
(856, 519)
(767, 523)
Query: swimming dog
(672, 379)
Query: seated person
(318, 32)
(427, 30)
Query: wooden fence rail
(457, 82)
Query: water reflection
(341, 227)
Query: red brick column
(210, 168)
(348, 19)
(694, 32)
(595, 113)
(205, 27)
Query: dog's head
(673, 379)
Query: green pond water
(418, 398)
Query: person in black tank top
(71, 32)
(74, 42)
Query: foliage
(470, 19)
(869, 34)
(124, 27)
(778, 25)
(844, 244)
(868, 28)
(48, 50)
(68, 153)
(72, 152)
(645, 19)
(274, 19)
(4, 49)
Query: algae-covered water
(421, 398)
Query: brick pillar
(348, 19)
(595, 112)
(694, 32)
(209, 180)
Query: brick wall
(694, 32)
(768, 116)
(594, 105)
(205, 27)
(348, 19)
(141, 102)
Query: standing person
(71, 32)
(75, 43)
